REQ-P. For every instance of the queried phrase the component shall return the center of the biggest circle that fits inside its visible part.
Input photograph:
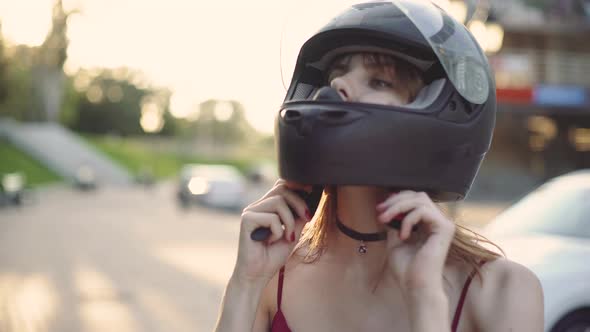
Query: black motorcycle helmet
(434, 144)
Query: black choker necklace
(363, 237)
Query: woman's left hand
(416, 259)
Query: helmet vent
(333, 115)
(291, 115)
(339, 117)
(303, 91)
(469, 108)
(453, 105)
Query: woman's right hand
(259, 261)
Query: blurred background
(132, 134)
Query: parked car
(220, 186)
(85, 178)
(145, 176)
(263, 173)
(12, 189)
(549, 232)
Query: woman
(379, 115)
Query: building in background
(542, 67)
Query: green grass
(13, 160)
(137, 155)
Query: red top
(279, 323)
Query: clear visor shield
(461, 57)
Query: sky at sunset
(199, 49)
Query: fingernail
(307, 214)
(293, 237)
(400, 216)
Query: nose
(344, 86)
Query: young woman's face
(357, 81)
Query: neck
(356, 209)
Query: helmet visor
(461, 57)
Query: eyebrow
(341, 62)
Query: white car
(220, 186)
(549, 232)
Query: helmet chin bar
(327, 141)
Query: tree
(215, 127)
(34, 76)
(3, 70)
(47, 71)
(19, 102)
(110, 104)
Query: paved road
(113, 260)
(120, 260)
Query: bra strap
(461, 302)
(462, 298)
(280, 288)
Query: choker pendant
(362, 248)
(362, 237)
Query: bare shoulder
(509, 297)
(269, 298)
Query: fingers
(252, 220)
(409, 221)
(414, 208)
(295, 201)
(280, 186)
(277, 207)
(294, 185)
(286, 205)
(402, 195)
(398, 204)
